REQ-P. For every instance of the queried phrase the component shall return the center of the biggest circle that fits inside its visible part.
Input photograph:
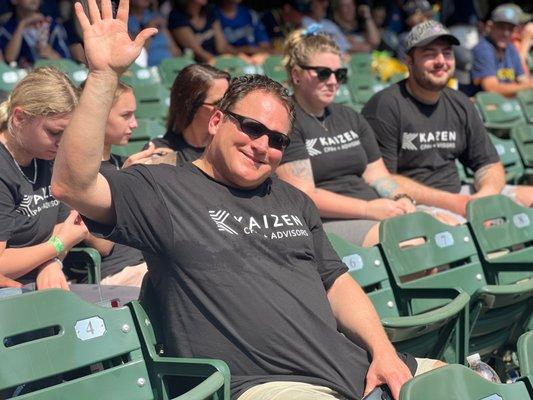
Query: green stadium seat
(498, 112)
(76, 72)
(363, 87)
(457, 382)
(361, 63)
(134, 146)
(423, 335)
(234, 65)
(83, 264)
(171, 67)
(509, 156)
(417, 243)
(140, 76)
(274, 69)
(62, 347)
(153, 101)
(522, 135)
(148, 129)
(525, 353)
(525, 98)
(343, 95)
(9, 77)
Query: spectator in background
(363, 36)
(416, 11)
(243, 29)
(160, 46)
(497, 67)
(74, 40)
(29, 35)
(389, 39)
(523, 41)
(281, 21)
(194, 26)
(194, 96)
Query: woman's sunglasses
(323, 73)
(255, 129)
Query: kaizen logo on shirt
(428, 140)
(33, 204)
(270, 226)
(328, 144)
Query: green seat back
(148, 129)
(10, 76)
(140, 76)
(459, 382)
(525, 353)
(274, 69)
(61, 333)
(343, 95)
(169, 68)
(503, 231)
(497, 111)
(153, 101)
(363, 87)
(361, 63)
(77, 73)
(525, 98)
(134, 146)
(83, 264)
(522, 134)
(234, 65)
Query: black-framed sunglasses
(323, 73)
(255, 129)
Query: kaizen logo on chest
(414, 141)
(32, 204)
(328, 144)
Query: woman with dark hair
(194, 95)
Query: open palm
(108, 46)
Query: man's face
(239, 160)
(432, 66)
(27, 5)
(500, 33)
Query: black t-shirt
(239, 275)
(28, 212)
(422, 141)
(121, 256)
(205, 35)
(340, 146)
(175, 141)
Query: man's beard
(427, 83)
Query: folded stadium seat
(525, 98)
(235, 66)
(76, 72)
(274, 69)
(153, 101)
(148, 129)
(83, 264)
(132, 147)
(361, 63)
(457, 382)
(60, 347)
(136, 76)
(499, 113)
(423, 335)
(525, 353)
(169, 68)
(363, 86)
(10, 76)
(418, 244)
(509, 156)
(522, 134)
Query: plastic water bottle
(483, 369)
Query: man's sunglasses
(255, 129)
(323, 73)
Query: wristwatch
(404, 196)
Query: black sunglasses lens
(341, 75)
(252, 128)
(276, 141)
(323, 74)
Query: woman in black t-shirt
(34, 234)
(333, 155)
(194, 95)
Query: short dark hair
(241, 86)
(188, 93)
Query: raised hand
(108, 46)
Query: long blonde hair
(299, 46)
(43, 92)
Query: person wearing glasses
(334, 157)
(194, 95)
(238, 262)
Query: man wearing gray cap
(497, 67)
(422, 127)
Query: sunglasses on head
(255, 129)
(323, 73)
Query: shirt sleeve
(7, 210)
(517, 64)
(330, 266)
(260, 32)
(368, 139)
(142, 217)
(177, 19)
(296, 150)
(484, 62)
(385, 132)
(58, 40)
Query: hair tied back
(312, 30)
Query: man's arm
(359, 321)
(492, 84)
(109, 51)
(489, 180)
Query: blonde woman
(34, 234)
(333, 155)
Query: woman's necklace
(32, 181)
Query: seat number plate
(90, 328)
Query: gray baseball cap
(426, 32)
(510, 13)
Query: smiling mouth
(253, 159)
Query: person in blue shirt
(497, 66)
(161, 45)
(29, 35)
(242, 28)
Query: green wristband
(57, 243)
